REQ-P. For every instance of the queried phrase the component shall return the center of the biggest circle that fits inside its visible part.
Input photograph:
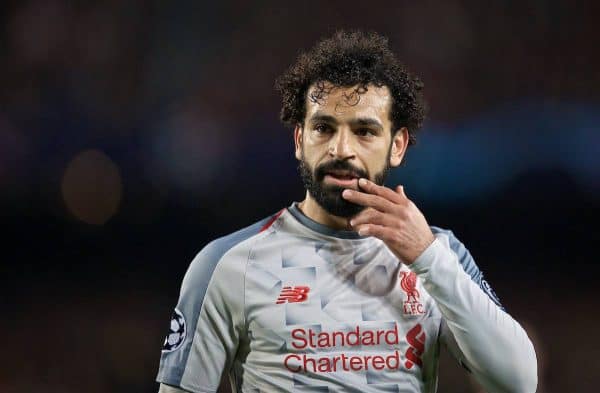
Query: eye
(365, 132)
(322, 128)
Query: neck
(315, 212)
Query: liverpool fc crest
(408, 283)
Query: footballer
(349, 290)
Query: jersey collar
(320, 228)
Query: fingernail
(362, 231)
(346, 193)
(351, 222)
(362, 182)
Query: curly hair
(352, 58)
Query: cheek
(376, 160)
(314, 154)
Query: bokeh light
(92, 187)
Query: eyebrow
(361, 121)
(367, 122)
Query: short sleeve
(205, 326)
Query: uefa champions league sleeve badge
(177, 332)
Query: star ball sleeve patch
(177, 332)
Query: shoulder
(210, 256)
(217, 248)
(464, 257)
(466, 261)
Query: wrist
(419, 251)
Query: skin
(339, 127)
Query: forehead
(349, 101)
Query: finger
(401, 193)
(382, 191)
(372, 216)
(368, 200)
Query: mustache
(327, 167)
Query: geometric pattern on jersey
(239, 318)
(353, 284)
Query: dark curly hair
(352, 58)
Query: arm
(488, 341)
(206, 325)
(478, 332)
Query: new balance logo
(295, 294)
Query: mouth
(342, 178)
(342, 174)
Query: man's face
(346, 135)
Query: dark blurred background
(133, 132)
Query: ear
(298, 141)
(399, 145)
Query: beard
(329, 196)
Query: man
(349, 290)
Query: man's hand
(391, 217)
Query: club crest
(408, 283)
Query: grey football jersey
(290, 305)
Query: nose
(341, 146)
